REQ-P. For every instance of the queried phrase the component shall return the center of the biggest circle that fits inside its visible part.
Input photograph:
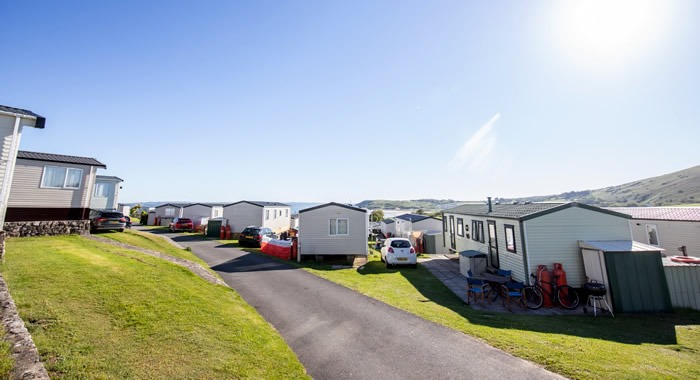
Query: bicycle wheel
(533, 298)
(568, 297)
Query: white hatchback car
(398, 251)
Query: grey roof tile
(60, 158)
(523, 211)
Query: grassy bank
(98, 311)
(584, 347)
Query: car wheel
(121, 230)
(386, 264)
(381, 258)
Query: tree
(420, 211)
(377, 215)
(134, 211)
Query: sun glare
(608, 34)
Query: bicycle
(564, 295)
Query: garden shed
(632, 273)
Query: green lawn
(98, 311)
(153, 242)
(584, 347)
(5, 357)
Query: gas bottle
(545, 278)
(228, 233)
(559, 274)
(222, 232)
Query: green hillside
(417, 204)
(681, 187)
(677, 188)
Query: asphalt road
(338, 333)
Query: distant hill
(681, 187)
(424, 204)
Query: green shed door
(637, 282)
(214, 228)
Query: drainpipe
(7, 176)
(526, 256)
(490, 207)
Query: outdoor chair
(478, 289)
(504, 273)
(512, 292)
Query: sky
(319, 101)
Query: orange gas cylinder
(228, 232)
(559, 274)
(222, 232)
(545, 278)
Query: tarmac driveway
(338, 333)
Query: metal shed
(631, 271)
(683, 283)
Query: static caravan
(519, 237)
(333, 229)
(388, 227)
(12, 121)
(273, 215)
(106, 193)
(165, 213)
(675, 229)
(407, 224)
(200, 213)
(50, 187)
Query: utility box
(472, 260)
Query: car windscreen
(112, 215)
(401, 244)
(250, 231)
(183, 220)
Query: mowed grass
(5, 357)
(98, 311)
(151, 241)
(581, 347)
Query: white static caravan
(519, 237)
(200, 213)
(51, 187)
(12, 121)
(670, 228)
(407, 224)
(106, 193)
(165, 213)
(273, 215)
(388, 227)
(333, 229)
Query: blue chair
(513, 292)
(504, 273)
(477, 288)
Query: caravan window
(652, 234)
(61, 178)
(510, 238)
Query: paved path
(339, 333)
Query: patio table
(495, 281)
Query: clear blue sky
(350, 100)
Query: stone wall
(54, 227)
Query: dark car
(104, 220)
(253, 236)
(182, 224)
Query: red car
(182, 224)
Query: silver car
(398, 251)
